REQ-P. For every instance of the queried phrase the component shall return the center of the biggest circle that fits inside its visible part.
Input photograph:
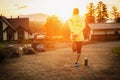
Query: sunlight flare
(60, 8)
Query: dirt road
(58, 65)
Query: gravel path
(58, 65)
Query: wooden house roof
(2, 18)
(20, 22)
(105, 26)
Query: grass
(116, 50)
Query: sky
(60, 8)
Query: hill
(36, 17)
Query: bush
(25, 41)
(118, 20)
(8, 52)
(116, 50)
(2, 55)
(2, 46)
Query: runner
(76, 25)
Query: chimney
(10, 17)
(18, 17)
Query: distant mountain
(36, 17)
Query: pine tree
(90, 16)
(116, 14)
(101, 12)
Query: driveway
(58, 64)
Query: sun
(65, 11)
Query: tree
(117, 20)
(66, 30)
(36, 26)
(101, 12)
(53, 26)
(116, 14)
(90, 16)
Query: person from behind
(76, 25)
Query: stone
(28, 50)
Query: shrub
(2, 46)
(2, 55)
(8, 52)
(116, 50)
(117, 20)
(25, 41)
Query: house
(4, 24)
(104, 31)
(14, 29)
